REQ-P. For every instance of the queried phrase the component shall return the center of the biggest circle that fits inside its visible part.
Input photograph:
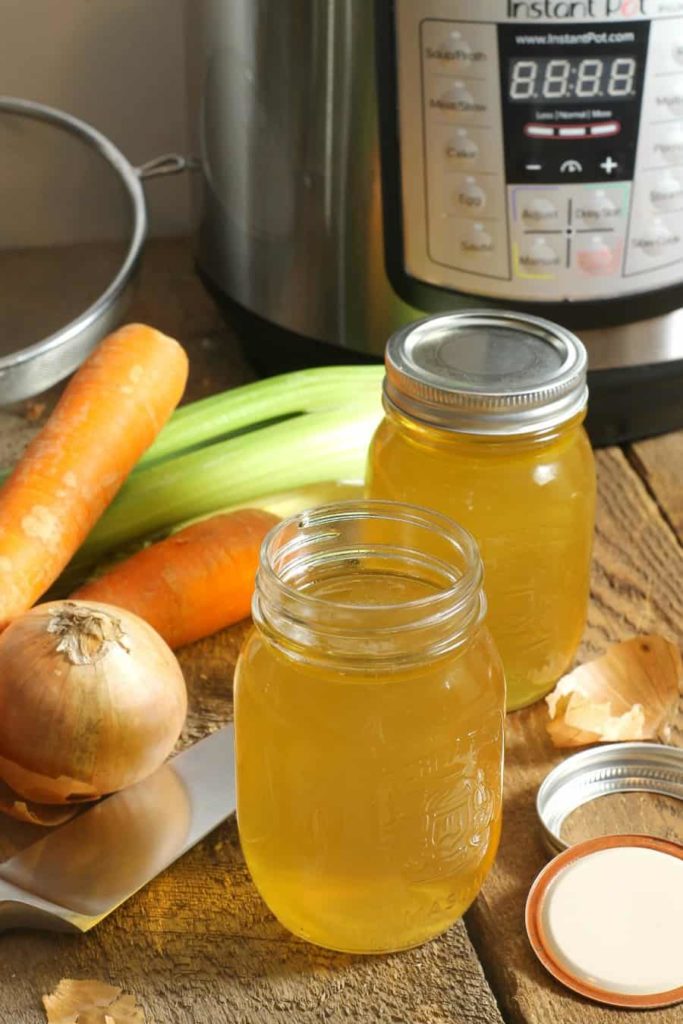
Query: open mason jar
(369, 705)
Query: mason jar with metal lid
(484, 414)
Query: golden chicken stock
(368, 717)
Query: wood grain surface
(198, 945)
(659, 460)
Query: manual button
(538, 255)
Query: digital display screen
(562, 79)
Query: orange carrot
(195, 582)
(110, 412)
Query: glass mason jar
(484, 416)
(369, 707)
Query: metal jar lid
(486, 372)
(618, 768)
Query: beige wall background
(118, 64)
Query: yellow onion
(91, 700)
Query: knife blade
(78, 874)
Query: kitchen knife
(79, 873)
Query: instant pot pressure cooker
(363, 164)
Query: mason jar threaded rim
(350, 535)
(489, 372)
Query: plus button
(608, 165)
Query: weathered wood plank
(637, 570)
(659, 460)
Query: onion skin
(74, 732)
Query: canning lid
(486, 372)
(618, 768)
(604, 919)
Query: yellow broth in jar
(368, 789)
(530, 502)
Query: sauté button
(476, 240)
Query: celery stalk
(319, 389)
(309, 448)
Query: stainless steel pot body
(284, 108)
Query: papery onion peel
(629, 693)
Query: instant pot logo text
(527, 10)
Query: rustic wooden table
(198, 945)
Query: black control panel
(571, 98)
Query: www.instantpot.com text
(574, 38)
